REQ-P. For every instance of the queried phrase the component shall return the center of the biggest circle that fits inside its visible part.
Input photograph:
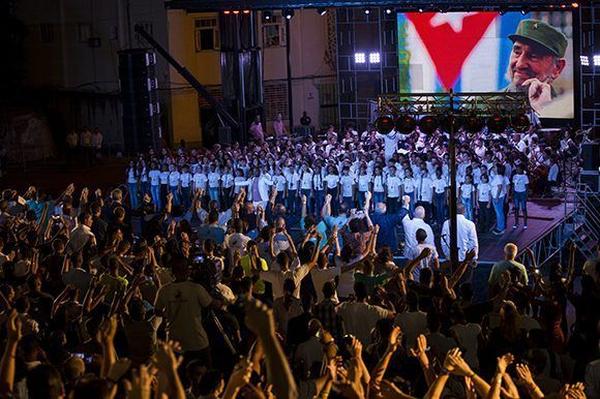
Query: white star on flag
(454, 19)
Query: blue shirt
(387, 228)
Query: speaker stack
(139, 97)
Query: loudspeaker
(590, 152)
(139, 98)
(591, 178)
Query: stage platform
(544, 214)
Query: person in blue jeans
(132, 184)
(498, 198)
(520, 183)
(467, 191)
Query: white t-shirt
(483, 190)
(332, 181)
(498, 180)
(360, 318)
(292, 180)
(306, 180)
(520, 183)
(318, 182)
(154, 176)
(409, 184)
(363, 183)
(378, 184)
(466, 190)
(439, 185)
(164, 177)
(227, 180)
(174, 178)
(213, 179)
(185, 179)
(200, 180)
(426, 189)
(279, 182)
(347, 183)
(393, 185)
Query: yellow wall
(204, 65)
(309, 43)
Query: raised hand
(108, 329)
(14, 327)
(524, 374)
(458, 364)
(328, 198)
(259, 319)
(142, 382)
(166, 359)
(241, 373)
(395, 337)
(504, 361)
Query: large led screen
(490, 52)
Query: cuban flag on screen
(468, 52)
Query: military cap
(542, 34)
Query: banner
(490, 52)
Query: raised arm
(259, 319)
(8, 362)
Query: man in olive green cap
(536, 60)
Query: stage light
(267, 15)
(388, 11)
(406, 124)
(226, 12)
(288, 13)
(360, 58)
(366, 11)
(236, 12)
(524, 11)
(246, 11)
(374, 58)
(385, 124)
(585, 60)
(597, 60)
(420, 9)
(322, 11)
(563, 5)
(502, 11)
(575, 5)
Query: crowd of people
(231, 280)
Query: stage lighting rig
(322, 11)
(388, 11)
(267, 16)
(288, 13)
(367, 11)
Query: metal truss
(221, 5)
(482, 104)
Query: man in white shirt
(466, 235)
(520, 183)
(410, 230)
(425, 191)
(390, 142)
(360, 317)
(82, 234)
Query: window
(273, 32)
(207, 34)
(47, 33)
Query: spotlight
(585, 60)
(226, 12)
(236, 12)
(385, 124)
(322, 11)
(596, 60)
(267, 15)
(360, 58)
(575, 5)
(388, 11)
(366, 11)
(502, 11)
(246, 11)
(524, 10)
(288, 13)
(374, 58)
(563, 5)
(420, 9)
